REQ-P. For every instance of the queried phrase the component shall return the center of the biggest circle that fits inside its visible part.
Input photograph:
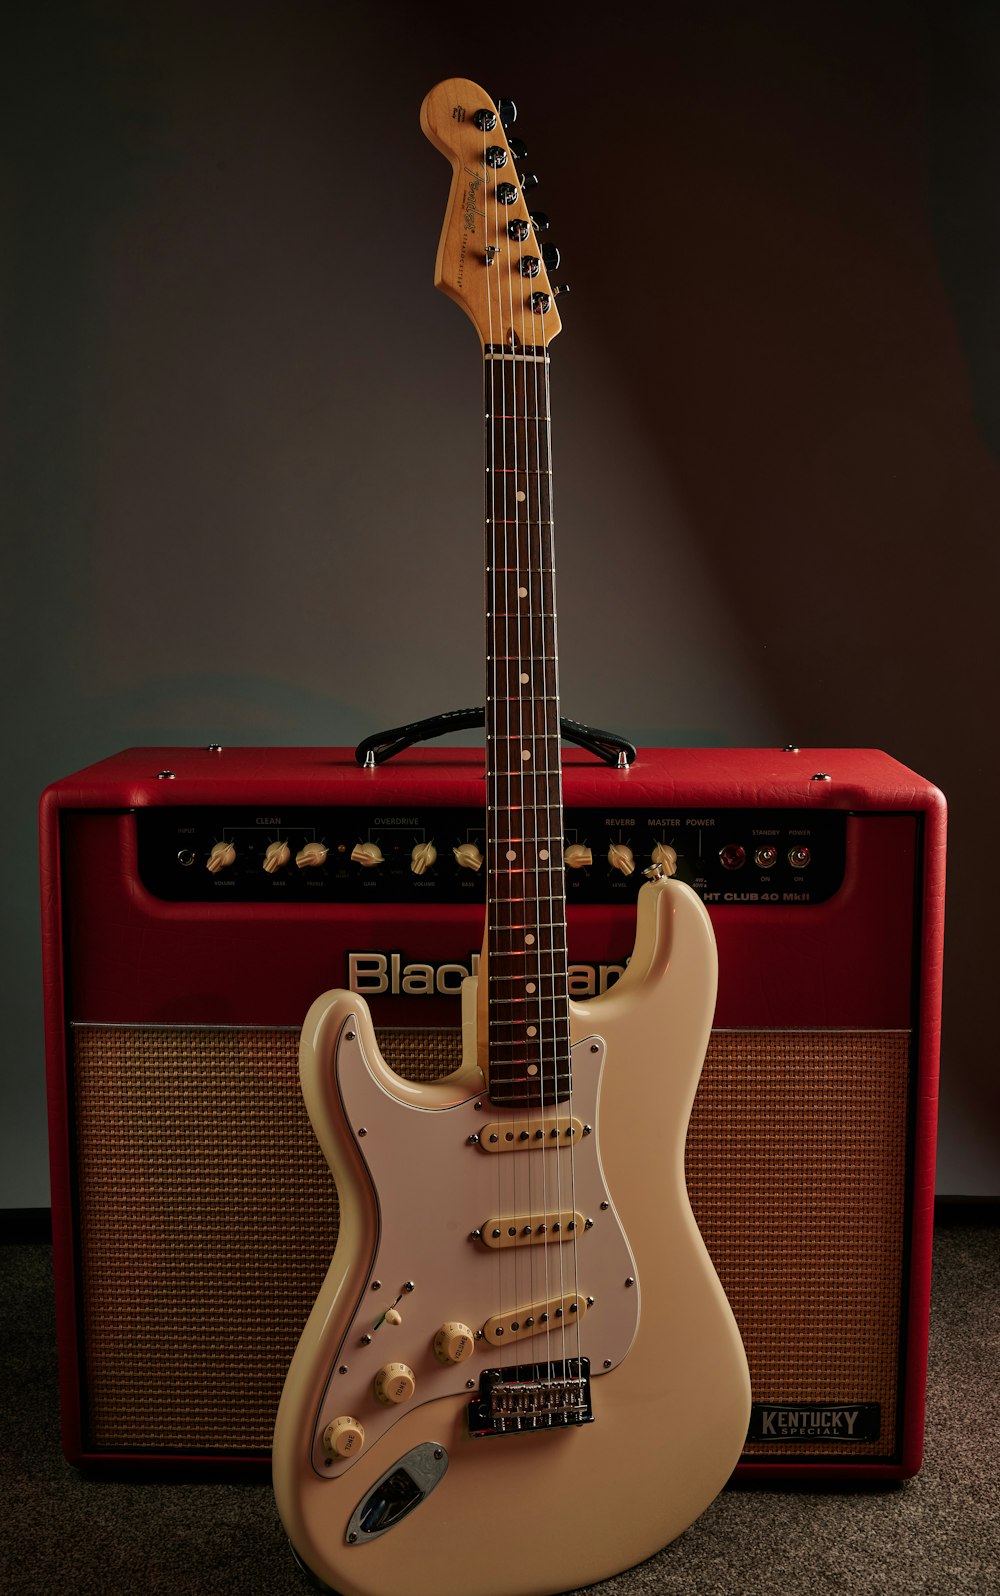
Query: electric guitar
(522, 1374)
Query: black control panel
(344, 855)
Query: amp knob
(395, 1382)
(577, 856)
(621, 858)
(312, 855)
(665, 856)
(468, 856)
(276, 857)
(221, 857)
(422, 857)
(366, 853)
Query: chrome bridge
(532, 1396)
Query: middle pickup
(529, 1230)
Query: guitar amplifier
(196, 901)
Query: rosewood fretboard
(529, 1060)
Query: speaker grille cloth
(207, 1219)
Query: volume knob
(221, 857)
(395, 1382)
(422, 857)
(666, 856)
(577, 856)
(453, 1343)
(343, 1437)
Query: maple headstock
(490, 258)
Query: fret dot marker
(510, 854)
(529, 939)
(521, 495)
(531, 987)
(543, 853)
(522, 592)
(532, 1030)
(523, 677)
(532, 1069)
(525, 753)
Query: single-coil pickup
(526, 1135)
(555, 1314)
(528, 1230)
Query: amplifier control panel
(344, 855)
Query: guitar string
(546, 775)
(493, 949)
(559, 996)
(557, 871)
(530, 578)
(527, 845)
(539, 775)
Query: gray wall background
(243, 433)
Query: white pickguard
(434, 1187)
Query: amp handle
(375, 750)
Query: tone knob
(312, 855)
(221, 857)
(367, 853)
(666, 857)
(422, 857)
(621, 858)
(468, 856)
(453, 1343)
(394, 1383)
(276, 857)
(577, 856)
(343, 1437)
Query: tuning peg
(528, 180)
(508, 113)
(518, 149)
(485, 120)
(551, 257)
(539, 221)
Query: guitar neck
(526, 901)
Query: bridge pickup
(532, 1396)
(529, 1230)
(531, 1134)
(558, 1313)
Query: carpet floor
(936, 1535)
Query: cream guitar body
(381, 1478)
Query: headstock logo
(471, 212)
(458, 113)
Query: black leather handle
(375, 750)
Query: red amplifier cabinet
(193, 1215)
